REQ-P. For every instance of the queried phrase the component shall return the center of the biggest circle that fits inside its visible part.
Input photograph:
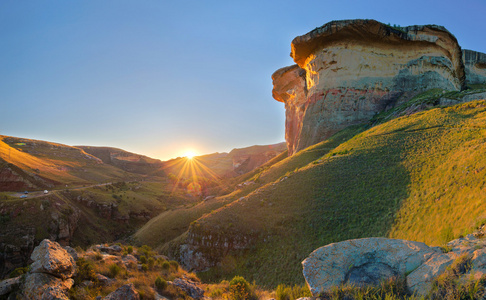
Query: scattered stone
(114, 249)
(125, 292)
(71, 252)
(130, 261)
(103, 280)
(189, 287)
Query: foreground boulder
(50, 258)
(50, 273)
(362, 262)
(368, 261)
(347, 71)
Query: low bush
(240, 289)
(114, 270)
(160, 283)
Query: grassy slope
(418, 177)
(172, 223)
(57, 163)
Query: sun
(189, 154)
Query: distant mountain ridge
(27, 164)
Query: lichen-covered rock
(368, 261)
(49, 257)
(362, 262)
(125, 292)
(45, 287)
(356, 68)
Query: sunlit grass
(419, 177)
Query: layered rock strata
(347, 71)
(475, 67)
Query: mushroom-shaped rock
(50, 258)
(362, 262)
(349, 70)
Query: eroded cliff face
(475, 66)
(356, 68)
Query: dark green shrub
(239, 289)
(174, 264)
(160, 283)
(85, 271)
(165, 265)
(130, 249)
(144, 267)
(151, 263)
(143, 259)
(114, 270)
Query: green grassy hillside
(417, 177)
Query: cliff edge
(347, 71)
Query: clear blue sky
(160, 77)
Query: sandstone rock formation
(475, 67)
(347, 71)
(368, 261)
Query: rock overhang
(372, 32)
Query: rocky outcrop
(50, 258)
(369, 261)
(189, 287)
(16, 245)
(50, 273)
(63, 225)
(347, 71)
(204, 249)
(475, 67)
(289, 87)
(125, 292)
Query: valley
(385, 149)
